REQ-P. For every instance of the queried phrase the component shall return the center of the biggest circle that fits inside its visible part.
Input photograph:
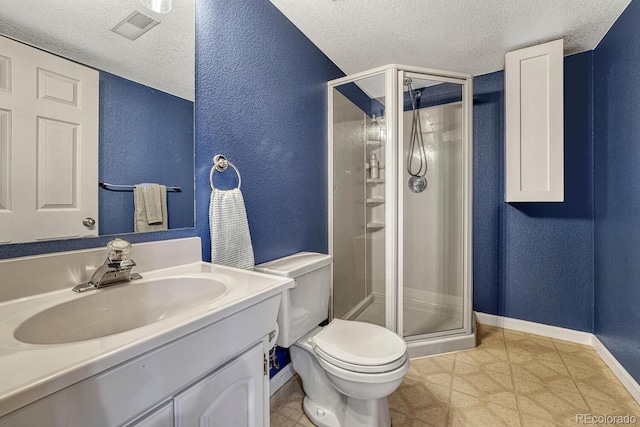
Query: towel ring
(220, 164)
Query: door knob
(89, 222)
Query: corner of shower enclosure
(400, 203)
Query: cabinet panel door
(231, 396)
(534, 151)
(162, 417)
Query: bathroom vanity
(187, 345)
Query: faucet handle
(118, 249)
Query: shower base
(422, 325)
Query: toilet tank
(305, 305)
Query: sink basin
(119, 309)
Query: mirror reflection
(97, 92)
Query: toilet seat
(360, 347)
(365, 369)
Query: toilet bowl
(348, 368)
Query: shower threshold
(427, 328)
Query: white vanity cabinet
(233, 395)
(214, 373)
(162, 417)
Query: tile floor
(510, 379)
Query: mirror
(144, 117)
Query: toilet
(348, 368)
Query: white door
(48, 145)
(231, 396)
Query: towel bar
(220, 164)
(118, 187)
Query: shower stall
(400, 204)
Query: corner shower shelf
(375, 180)
(375, 201)
(375, 226)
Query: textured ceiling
(163, 58)
(468, 36)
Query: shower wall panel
(433, 245)
(349, 234)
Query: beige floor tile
(552, 404)
(483, 357)
(540, 370)
(508, 399)
(279, 420)
(435, 416)
(479, 412)
(402, 420)
(304, 421)
(413, 396)
(291, 391)
(570, 347)
(530, 421)
(607, 391)
(438, 370)
(292, 410)
(510, 379)
(478, 381)
(601, 407)
(488, 335)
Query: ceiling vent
(134, 25)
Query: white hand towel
(230, 237)
(140, 216)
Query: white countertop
(30, 371)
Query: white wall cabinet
(534, 115)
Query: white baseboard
(625, 378)
(556, 332)
(565, 334)
(278, 380)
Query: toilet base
(322, 417)
(359, 413)
(367, 413)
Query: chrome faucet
(115, 270)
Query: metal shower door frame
(394, 256)
(396, 239)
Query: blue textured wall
(261, 100)
(534, 261)
(617, 190)
(145, 136)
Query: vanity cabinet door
(231, 396)
(162, 417)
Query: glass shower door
(431, 200)
(357, 206)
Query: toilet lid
(359, 343)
